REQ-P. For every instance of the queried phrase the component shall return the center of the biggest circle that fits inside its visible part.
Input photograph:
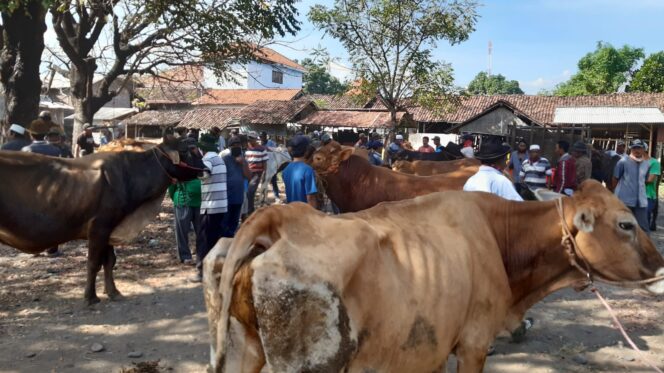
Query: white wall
(211, 81)
(260, 77)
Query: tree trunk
(23, 43)
(82, 98)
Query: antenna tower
(490, 58)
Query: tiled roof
(353, 118)
(274, 112)
(539, 108)
(244, 96)
(157, 118)
(206, 118)
(270, 55)
(335, 101)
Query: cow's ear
(584, 219)
(345, 154)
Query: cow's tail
(256, 235)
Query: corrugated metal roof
(110, 113)
(607, 115)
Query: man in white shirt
(490, 178)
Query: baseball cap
(637, 144)
(17, 128)
(252, 135)
(399, 137)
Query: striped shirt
(214, 197)
(255, 156)
(534, 173)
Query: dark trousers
(184, 217)
(652, 214)
(251, 193)
(275, 186)
(213, 229)
(231, 220)
(641, 215)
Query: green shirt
(651, 188)
(187, 193)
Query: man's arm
(245, 168)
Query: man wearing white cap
(17, 138)
(395, 146)
(535, 169)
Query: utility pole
(490, 58)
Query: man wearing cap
(85, 143)
(396, 145)
(214, 200)
(237, 172)
(535, 169)
(565, 177)
(582, 163)
(362, 142)
(54, 137)
(375, 151)
(426, 148)
(629, 180)
(17, 138)
(516, 161)
(38, 130)
(467, 146)
(489, 178)
(257, 158)
(299, 177)
(438, 147)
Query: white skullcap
(17, 128)
(534, 147)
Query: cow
(428, 168)
(353, 184)
(291, 292)
(106, 198)
(449, 153)
(126, 145)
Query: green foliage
(318, 80)
(650, 77)
(485, 84)
(10, 6)
(602, 71)
(390, 44)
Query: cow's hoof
(115, 296)
(91, 301)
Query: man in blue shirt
(237, 171)
(629, 178)
(299, 177)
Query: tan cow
(126, 145)
(303, 291)
(428, 168)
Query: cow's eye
(626, 226)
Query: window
(277, 77)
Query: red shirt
(565, 177)
(426, 149)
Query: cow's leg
(95, 253)
(109, 282)
(470, 359)
(245, 353)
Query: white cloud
(534, 86)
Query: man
(186, 198)
(105, 136)
(257, 158)
(516, 160)
(426, 148)
(489, 178)
(269, 144)
(221, 144)
(535, 169)
(299, 177)
(629, 179)
(620, 149)
(325, 139)
(375, 151)
(54, 137)
(85, 144)
(38, 130)
(467, 146)
(17, 138)
(438, 147)
(237, 172)
(396, 145)
(565, 177)
(362, 142)
(214, 200)
(582, 163)
(652, 183)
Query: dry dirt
(44, 326)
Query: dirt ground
(44, 326)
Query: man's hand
(239, 159)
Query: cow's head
(327, 158)
(186, 163)
(610, 239)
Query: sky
(537, 42)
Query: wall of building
(254, 75)
(496, 122)
(211, 81)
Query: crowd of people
(634, 177)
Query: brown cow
(428, 168)
(130, 145)
(386, 296)
(353, 184)
(106, 198)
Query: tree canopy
(318, 80)
(391, 43)
(650, 77)
(485, 84)
(605, 70)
